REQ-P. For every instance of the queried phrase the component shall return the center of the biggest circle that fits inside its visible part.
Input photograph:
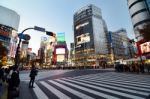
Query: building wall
(118, 42)
(89, 33)
(9, 18)
(100, 41)
(9, 23)
(140, 14)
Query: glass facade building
(89, 34)
(119, 44)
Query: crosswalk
(109, 85)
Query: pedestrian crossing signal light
(50, 34)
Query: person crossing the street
(32, 75)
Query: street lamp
(17, 56)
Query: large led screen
(60, 51)
(60, 58)
(83, 38)
(61, 37)
(145, 47)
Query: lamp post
(17, 56)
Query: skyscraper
(89, 35)
(119, 44)
(140, 14)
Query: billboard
(61, 37)
(145, 47)
(24, 48)
(60, 58)
(60, 51)
(83, 38)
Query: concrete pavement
(3, 91)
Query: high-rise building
(89, 35)
(119, 45)
(140, 14)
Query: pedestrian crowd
(10, 76)
(135, 67)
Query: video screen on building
(60, 58)
(60, 51)
(145, 47)
(83, 38)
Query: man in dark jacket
(32, 75)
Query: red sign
(4, 33)
(29, 49)
(145, 47)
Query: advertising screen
(145, 47)
(60, 58)
(60, 51)
(61, 37)
(83, 38)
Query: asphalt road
(86, 84)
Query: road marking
(111, 75)
(113, 87)
(88, 90)
(79, 94)
(116, 82)
(59, 94)
(107, 85)
(107, 90)
(119, 80)
(125, 82)
(39, 93)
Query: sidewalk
(3, 91)
(25, 91)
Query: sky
(57, 16)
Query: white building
(140, 14)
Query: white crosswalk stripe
(104, 89)
(103, 85)
(39, 93)
(110, 86)
(89, 90)
(55, 91)
(81, 95)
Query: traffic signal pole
(17, 55)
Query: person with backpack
(32, 75)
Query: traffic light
(24, 36)
(50, 34)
